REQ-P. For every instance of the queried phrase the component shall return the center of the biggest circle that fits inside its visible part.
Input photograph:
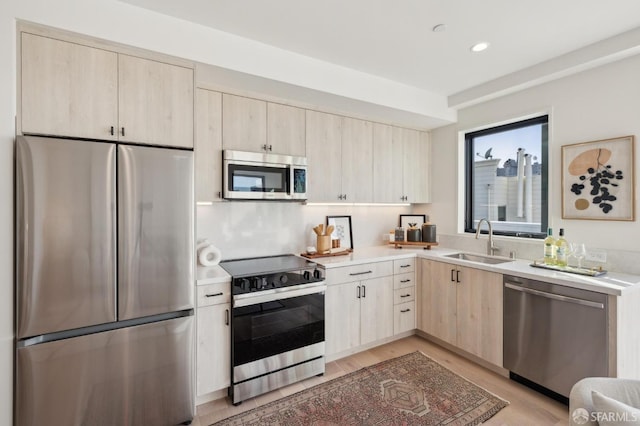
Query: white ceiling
(394, 39)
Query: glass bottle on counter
(562, 250)
(549, 248)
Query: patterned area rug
(409, 390)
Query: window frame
(544, 190)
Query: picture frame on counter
(418, 219)
(598, 181)
(342, 230)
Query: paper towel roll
(209, 255)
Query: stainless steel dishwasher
(553, 335)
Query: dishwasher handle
(555, 296)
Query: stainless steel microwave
(261, 176)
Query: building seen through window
(506, 178)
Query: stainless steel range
(277, 325)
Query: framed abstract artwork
(342, 230)
(598, 180)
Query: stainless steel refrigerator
(104, 283)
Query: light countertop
(612, 283)
(211, 275)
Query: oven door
(271, 323)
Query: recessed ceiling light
(479, 47)
(439, 28)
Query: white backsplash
(248, 229)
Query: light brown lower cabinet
(463, 306)
(213, 353)
(358, 313)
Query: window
(506, 178)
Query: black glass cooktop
(253, 266)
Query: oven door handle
(271, 295)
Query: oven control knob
(307, 275)
(255, 284)
(243, 284)
(283, 279)
(316, 274)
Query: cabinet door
(376, 309)
(68, 89)
(404, 317)
(208, 146)
(324, 153)
(244, 123)
(214, 348)
(155, 101)
(438, 300)
(479, 313)
(387, 165)
(342, 317)
(286, 129)
(416, 166)
(357, 160)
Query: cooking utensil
(330, 229)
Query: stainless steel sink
(478, 258)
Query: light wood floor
(526, 407)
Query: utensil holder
(323, 243)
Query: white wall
(597, 104)
(247, 229)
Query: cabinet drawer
(403, 295)
(213, 294)
(404, 265)
(359, 272)
(404, 280)
(404, 317)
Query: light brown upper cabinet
(258, 126)
(416, 165)
(388, 155)
(285, 130)
(357, 160)
(208, 146)
(156, 102)
(401, 160)
(324, 156)
(68, 89)
(340, 156)
(244, 123)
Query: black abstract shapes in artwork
(600, 179)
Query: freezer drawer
(65, 234)
(155, 231)
(140, 375)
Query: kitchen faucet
(490, 247)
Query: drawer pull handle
(361, 273)
(405, 311)
(226, 317)
(405, 295)
(405, 266)
(213, 295)
(405, 281)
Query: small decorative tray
(400, 244)
(591, 272)
(317, 255)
